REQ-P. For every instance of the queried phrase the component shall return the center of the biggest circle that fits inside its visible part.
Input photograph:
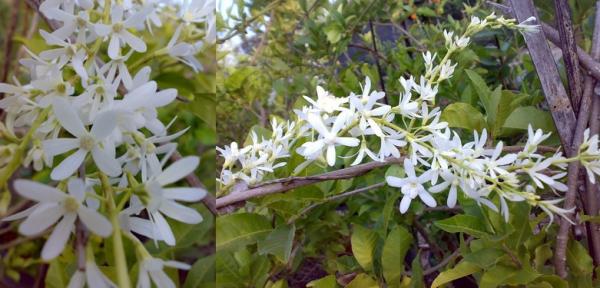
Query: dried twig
(8, 45)
(379, 70)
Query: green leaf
(236, 79)
(461, 270)
(240, 229)
(55, 277)
(333, 32)
(578, 259)
(426, 11)
(202, 272)
(278, 243)
(485, 257)
(521, 117)
(203, 106)
(416, 280)
(463, 115)
(362, 281)
(591, 219)
(394, 250)
(363, 246)
(463, 223)
(328, 281)
(481, 88)
(501, 275)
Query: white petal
(21, 214)
(77, 280)
(37, 191)
(40, 219)
(59, 146)
(427, 199)
(347, 141)
(106, 163)
(184, 194)
(144, 227)
(102, 29)
(134, 42)
(68, 166)
(452, 197)
(95, 222)
(67, 116)
(59, 237)
(395, 181)
(409, 168)
(405, 203)
(180, 213)
(178, 170)
(104, 124)
(76, 188)
(95, 278)
(162, 98)
(114, 49)
(138, 97)
(163, 228)
(331, 155)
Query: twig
(286, 184)
(194, 181)
(592, 66)
(442, 263)
(333, 198)
(562, 238)
(379, 70)
(237, 29)
(432, 245)
(591, 200)
(569, 50)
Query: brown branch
(569, 51)
(591, 200)
(556, 96)
(591, 66)
(194, 181)
(286, 184)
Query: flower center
(87, 142)
(61, 88)
(81, 22)
(71, 204)
(117, 27)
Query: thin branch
(379, 70)
(333, 198)
(592, 66)
(591, 200)
(442, 263)
(569, 51)
(241, 27)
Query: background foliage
(280, 50)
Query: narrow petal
(184, 194)
(162, 98)
(67, 117)
(395, 181)
(68, 166)
(331, 155)
(347, 141)
(59, 146)
(76, 188)
(180, 213)
(106, 163)
(40, 219)
(134, 42)
(114, 47)
(59, 237)
(163, 228)
(178, 170)
(427, 199)
(104, 124)
(405, 203)
(37, 191)
(94, 221)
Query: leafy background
(281, 50)
(20, 265)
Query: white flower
(85, 142)
(412, 186)
(326, 102)
(232, 153)
(92, 276)
(449, 180)
(54, 204)
(118, 31)
(151, 269)
(162, 200)
(328, 137)
(184, 52)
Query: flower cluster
(435, 158)
(96, 126)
